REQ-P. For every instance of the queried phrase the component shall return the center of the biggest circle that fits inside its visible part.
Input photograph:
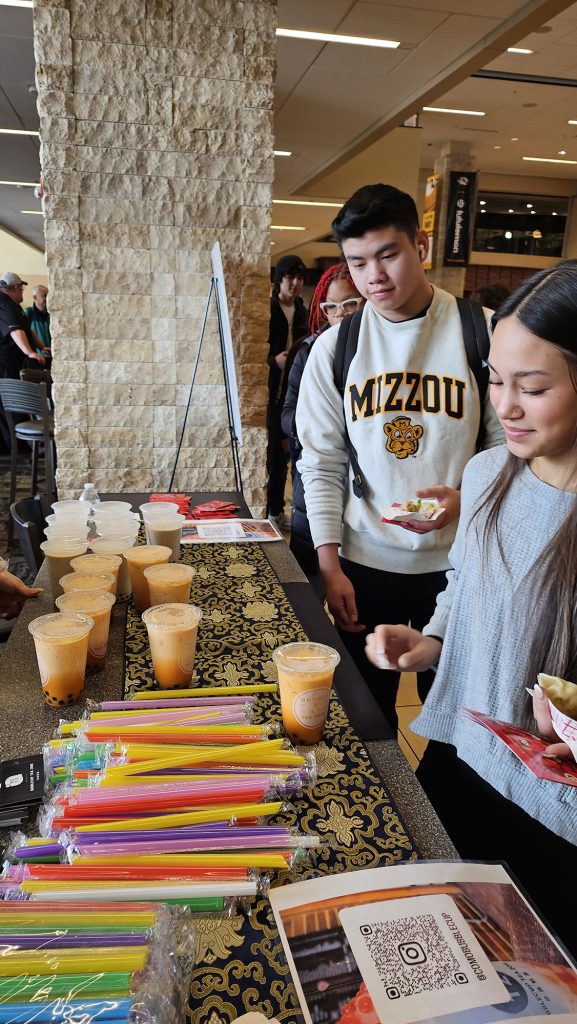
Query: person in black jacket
(288, 324)
(335, 297)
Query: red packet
(529, 749)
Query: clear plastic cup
(172, 631)
(164, 527)
(112, 527)
(169, 583)
(61, 643)
(116, 545)
(98, 605)
(305, 677)
(98, 563)
(89, 581)
(109, 507)
(71, 534)
(139, 558)
(169, 506)
(59, 553)
(62, 518)
(69, 503)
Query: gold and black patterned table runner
(246, 614)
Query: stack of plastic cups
(116, 544)
(163, 525)
(116, 523)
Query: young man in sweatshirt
(411, 410)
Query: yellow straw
(191, 860)
(206, 691)
(189, 818)
(245, 753)
(280, 771)
(140, 918)
(72, 961)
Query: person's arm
(288, 415)
(19, 338)
(40, 346)
(324, 467)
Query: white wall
(22, 259)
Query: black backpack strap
(477, 341)
(345, 351)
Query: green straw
(68, 985)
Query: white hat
(9, 280)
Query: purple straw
(183, 702)
(70, 941)
(44, 850)
(183, 832)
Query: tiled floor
(408, 707)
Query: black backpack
(475, 337)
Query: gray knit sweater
(484, 614)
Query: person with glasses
(411, 407)
(335, 297)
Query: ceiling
(337, 105)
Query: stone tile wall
(157, 140)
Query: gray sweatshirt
(412, 412)
(484, 615)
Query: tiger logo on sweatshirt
(403, 437)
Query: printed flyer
(438, 943)
(233, 531)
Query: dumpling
(561, 692)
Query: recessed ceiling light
(282, 152)
(330, 37)
(554, 213)
(496, 147)
(508, 234)
(518, 49)
(562, 152)
(532, 211)
(33, 213)
(304, 202)
(454, 110)
(20, 184)
(511, 211)
(285, 227)
(529, 206)
(483, 211)
(514, 138)
(16, 131)
(547, 160)
(482, 202)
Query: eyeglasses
(348, 306)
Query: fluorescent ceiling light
(282, 152)
(547, 160)
(454, 110)
(16, 131)
(33, 213)
(285, 227)
(304, 202)
(15, 3)
(330, 37)
(518, 49)
(21, 184)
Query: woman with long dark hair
(510, 607)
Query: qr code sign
(419, 957)
(411, 956)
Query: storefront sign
(459, 217)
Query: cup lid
(87, 581)
(145, 552)
(96, 563)
(85, 601)
(159, 504)
(172, 616)
(63, 547)
(111, 543)
(173, 571)
(306, 656)
(57, 626)
(113, 506)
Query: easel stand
(227, 385)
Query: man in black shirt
(17, 339)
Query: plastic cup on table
(164, 527)
(89, 581)
(305, 678)
(169, 506)
(61, 643)
(98, 563)
(169, 583)
(111, 526)
(172, 631)
(98, 605)
(59, 553)
(70, 534)
(116, 544)
(113, 507)
(138, 559)
(68, 503)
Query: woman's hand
(13, 594)
(542, 715)
(401, 648)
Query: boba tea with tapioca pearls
(61, 643)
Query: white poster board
(226, 340)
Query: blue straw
(59, 1011)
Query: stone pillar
(455, 156)
(157, 140)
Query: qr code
(411, 956)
